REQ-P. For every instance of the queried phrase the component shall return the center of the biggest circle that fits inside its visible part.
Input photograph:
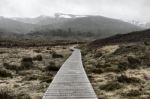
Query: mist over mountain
(96, 25)
(41, 20)
(12, 26)
(145, 25)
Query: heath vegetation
(26, 72)
(120, 71)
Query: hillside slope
(139, 36)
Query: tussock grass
(5, 93)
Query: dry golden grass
(119, 71)
(28, 68)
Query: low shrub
(132, 93)
(48, 48)
(52, 67)
(125, 79)
(26, 63)
(5, 73)
(111, 86)
(55, 55)
(47, 79)
(145, 59)
(10, 67)
(3, 52)
(97, 70)
(99, 65)
(38, 58)
(133, 62)
(30, 77)
(122, 66)
(111, 69)
(98, 54)
(37, 50)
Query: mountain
(138, 36)
(41, 20)
(95, 24)
(147, 25)
(10, 25)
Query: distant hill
(12, 26)
(96, 25)
(139, 36)
(102, 26)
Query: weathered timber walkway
(71, 81)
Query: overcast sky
(120, 9)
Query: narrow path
(71, 81)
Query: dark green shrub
(97, 70)
(98, 54)
(5, 73)
(55, 55)
(37, 50)
(10, 67)
(147, 43)
(48, 48)
(111, 86)
(38, 58)
(3, 52)
(132, 93)
(52, 67)
(111, 69)
(26, 63)
(27, 59)
(47, 79)
(125, 79)
(30, 77)
(133, 62)
(122, 66)
(145, 59)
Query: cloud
(121, 9)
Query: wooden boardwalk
(71, 81)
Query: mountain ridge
(98, 25)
